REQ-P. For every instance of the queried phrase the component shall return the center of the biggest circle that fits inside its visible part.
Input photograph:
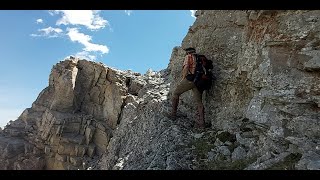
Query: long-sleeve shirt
(189, 64)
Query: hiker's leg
(201, 116)
(200, 108)
(182, 87)
(175, 103)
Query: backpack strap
(203, 65)
(204, 62)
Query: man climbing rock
(186, 84)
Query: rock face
(264, 106)
(267, 81)
(70, 122)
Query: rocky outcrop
(70, 122)
(263, 107)
(266, 91)
(16, 151)
(145, 138)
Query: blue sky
(33, 41)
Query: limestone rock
(263, 106)
(238, 154)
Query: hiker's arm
(185, 68)
(184, 71)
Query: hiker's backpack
(203, 76)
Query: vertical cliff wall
(263, 108)
(267, 86)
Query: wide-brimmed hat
(190, 50)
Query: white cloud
(85, 55)
(38, 21)
(84, 39)
(48, 32)
(128, 12)
(51, 29)
(89, 18)
(52, 12)
(193, 12)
